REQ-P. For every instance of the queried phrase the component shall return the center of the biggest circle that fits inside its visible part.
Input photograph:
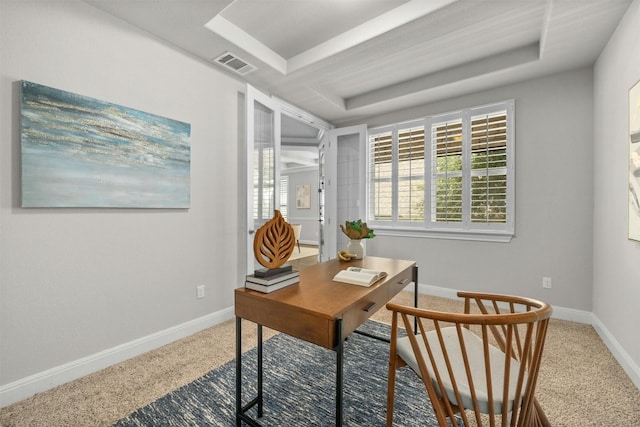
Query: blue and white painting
(82, 152)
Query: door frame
(253, 95)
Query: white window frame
(465, 229)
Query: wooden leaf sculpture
(274, 242)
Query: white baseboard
(623, 358)
(42, 381)
(570, 314)
(436, 291)
(562, 313)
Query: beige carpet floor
(580, 383)
(303, 251)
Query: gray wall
(76, 282)
(616, 260)
(554, 202)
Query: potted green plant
(356, 231)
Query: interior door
(263, 164)
(343, 160)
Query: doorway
(300, 137)
(343, 166)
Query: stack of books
(270, 283)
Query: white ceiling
(345, 60)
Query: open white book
(359, 276)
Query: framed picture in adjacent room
(634, 162)
(303, 196)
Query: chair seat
(474, 348)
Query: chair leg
(298, 246)
(391, 391)
(542, 417)
(394, 363)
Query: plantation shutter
(489, 168)
(380, 170)
(263, 179)
(264, 165)
(446, 166)
(284, 196)
(411, 174)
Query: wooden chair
(297, 229)
(485, 361)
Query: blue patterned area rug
(299, 389)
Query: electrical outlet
(546, 282)
(200, 291)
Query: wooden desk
(317, 310)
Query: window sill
(450, 234)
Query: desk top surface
(319, 295)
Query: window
(411, 174)
(449, 175)
(396, 168)
(380, 166)
(263, 196)
(263, 165)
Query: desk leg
(339, 372)
(240, 410)
(238, 371)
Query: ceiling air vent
(234, 63)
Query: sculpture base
(269, 272)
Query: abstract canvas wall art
(303, 196)
(634, 162)
(82, 152)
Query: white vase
(356, 247)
